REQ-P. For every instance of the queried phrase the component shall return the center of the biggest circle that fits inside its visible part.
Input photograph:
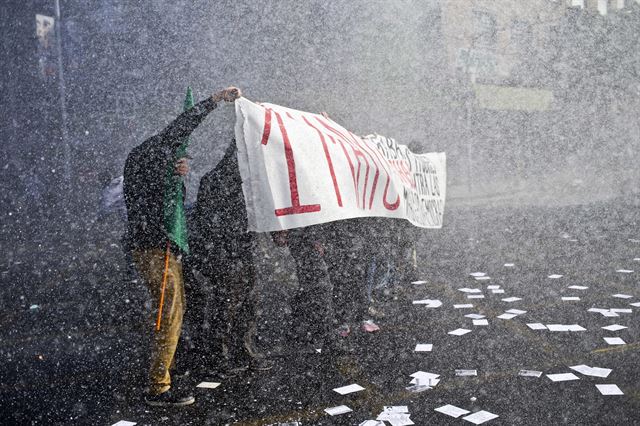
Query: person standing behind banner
(311, 308)
(347, 262)
(144, 188)
(223, 253)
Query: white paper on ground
(424, 347)
(507, 316)
(497, 291)
(516, 311)
(493, 287)
(480, 322)
(428, 303)
(637, 259)
(431, 383)
(562, 377)
(459, 332)
(349, 389)
(614, 341)
(610, 314)
(424, 375)
(530, 373)
(395, 409)
(475, 296)
(565, 327)
(557, 327)
(398, 419)
(470, 290)
(372, 423)
(569, 298)
(622, 296)
(340, 409)
(636, 304)
(509, 265)
(477, 274)
(419, 282)
(423, 378)
(610, 390)
(480, 417)
(466, 372)
(591, 371)
(124, 423)
(417, 388)
(614, 327)
(463, 306)
(511, 299)
(624, 271)
(475, 316)
(536, 326)
(578, 287)
(554, 276)
(208, 385)
(451, 410)
(621, 310)
(482, 278)
(599, 310)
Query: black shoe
(170, 398)
(234, 368)
(261, 364)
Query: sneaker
(261, 364)
(369, 326)
(170, 398)
(344, 330)
(233, 368)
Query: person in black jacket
(223, 252)
(144, 188)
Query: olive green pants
(151, 264)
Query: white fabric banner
(301, 169)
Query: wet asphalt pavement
(79, 356)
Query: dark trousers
(220, 320)
(347, 271)
(311, 304)
(236, 306)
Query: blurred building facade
(534, 113)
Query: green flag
(175, 221)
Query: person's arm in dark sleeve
(186, 123)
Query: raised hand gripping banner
(301, 169)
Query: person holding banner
(311, 307)
(156, 255)
(224, 253)
(346, 259)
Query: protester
(331, 270)
(391, 258)
(406, 256)
(311, 305)
(144, 184)
(223, 253)
(347, 261)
